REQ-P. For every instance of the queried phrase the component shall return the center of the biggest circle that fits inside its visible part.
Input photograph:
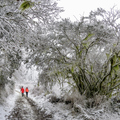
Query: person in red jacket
(22, 91)
(27, 90)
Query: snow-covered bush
(38, 90)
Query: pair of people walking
(26, 90)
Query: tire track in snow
(27, 109)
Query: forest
(84, 54)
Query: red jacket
(22, 90)
(27, 90)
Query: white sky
(76, 8)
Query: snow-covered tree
(21, 23)
(76, 53)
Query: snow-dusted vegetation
(72, 69)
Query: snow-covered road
(38, 106)
(27, 109)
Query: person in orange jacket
(22, 91)
(27, 90)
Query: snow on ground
(8, 105)
(62, 111)
(59, 110)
